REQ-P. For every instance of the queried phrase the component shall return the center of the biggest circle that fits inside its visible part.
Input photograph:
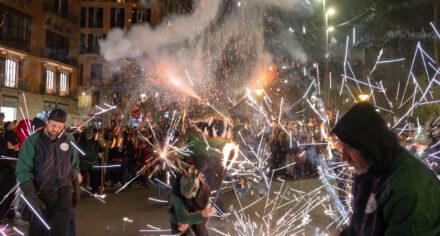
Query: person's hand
(182, 227)
(16, 148)
(80, 178)
(208, 211)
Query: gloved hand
(76, 192)
(28, 189)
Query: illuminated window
(49, 80)
(11, 73)
(63, 83)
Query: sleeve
(182, 215)
(74, 158)
(407, 214)
(25, 164)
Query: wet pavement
(133, 204)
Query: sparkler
(35, 212)
(107, 166)
(78, 149)
(98, 197)
(18, 231)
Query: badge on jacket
(371, 204)
(64, 146)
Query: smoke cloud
(220, 46)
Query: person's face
(353, 157)
(12, 126)
(2, 117)
(54, 128)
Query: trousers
(56, 213)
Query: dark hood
(364, 129)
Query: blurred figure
(11, 139)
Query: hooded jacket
(398, 195)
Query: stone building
(39, 51)
(97, 19)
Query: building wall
(37, 58)
(86, 59)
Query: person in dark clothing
(37, 124)
(393, 192)
(212, 168)
(129, 160)
(7, 180)
(189, 201)
(11, 139)
(47, 170)
(91, 147)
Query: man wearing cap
(47, 170)
(393, 192)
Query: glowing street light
(363, 97)
(259, 92)
(330, 11)
(330, 28)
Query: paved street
(96, 218)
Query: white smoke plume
(193, 48)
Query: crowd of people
(112, 156)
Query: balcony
(58, 56)
(48, 6)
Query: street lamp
(330, 11)
(330, 29)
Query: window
(95, 17)
(80, 74)
(11, 73)
(82, 44)
(83, 17)
(48, 107)
(57, 47)
(49, 81)
(60, 7)
(140, 15)
(117, 16)
(15, 31)
(96, 98)
(9, 108)
(95, 74)
(63, 83)
(93, 43)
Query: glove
(76, 195)
(28, 189)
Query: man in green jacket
(47, 170)
(189, 201)
(393, 193)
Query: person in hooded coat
(393, 192)
(189, 204)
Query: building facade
(97, 19)
(39, 51)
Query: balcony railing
(50, 54)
